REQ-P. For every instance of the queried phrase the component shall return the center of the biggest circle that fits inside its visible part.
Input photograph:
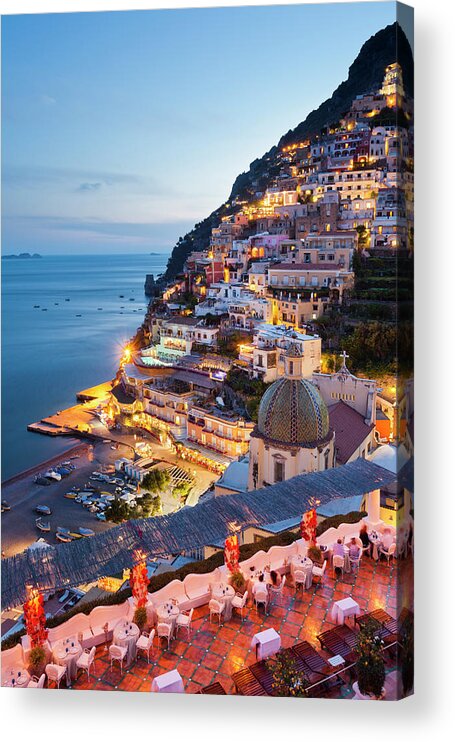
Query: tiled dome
(293, 411)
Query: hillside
(366, 73)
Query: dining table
(15, 677)
(342, 609)
(224, 594)
(168, 682)
(167, 613)
(66, 654)
(375, 541)
(303, 564)
(126, 634)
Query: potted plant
(140, 617)
(37, 661)
(315, 554)
(287, 679)
(370, 665)
(238, 582)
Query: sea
(65, 320)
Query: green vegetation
(148, 506)
(370, 663)
(140, 617)
(228, 345)
(156, 480)
(288, 680)
(249, 391)
(37, 660)
(373, 348)
(237, 581)
(181, 491)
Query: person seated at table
(363, 536)
(338, 548)
(387, 539)
(354, 549)
(260, 586)
(275, 578)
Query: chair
(338, 562)
(299, 579)
(184, 621)
(319, 571)
(55, 673)
(144, 643)
(261, 598)
(164, 631)
(277, 591)
(86, 660)
(387, 552)
(37, 682)
(216, 609)
(117, 653)
(354, 562)
(239, 602)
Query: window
(279, 471)
(314, 281)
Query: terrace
(213, 653)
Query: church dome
(292, 411)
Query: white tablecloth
(68, 658)
(267, 642)
(224, 594)
(126, 635)
(375, 541)
(302, 564)
(167, 613)
(170, 682)
(344, 608)
(12, 673)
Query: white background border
(124, 716)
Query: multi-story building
(265, 356)
(219, 429)
(390, 224)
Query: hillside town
(264, 394)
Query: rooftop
(350, 429)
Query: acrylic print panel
(207, 285)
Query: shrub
(140, 617)
(315, 554)
(288, 680)
(370, 663)
(37, 660)
(237, 581)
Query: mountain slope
(365, 74)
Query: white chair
(261, 598)
(354, 562)
(184, 621)
(277, 591)
(164, 631)
(299, 579)
(387, 552)
(337, 563)
(117, 653)
(86, 660)
(144, 643)
(55, 673)
(239, 602)
(37, 682)
(319, 571)
(216, 609)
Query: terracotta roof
(350, 430)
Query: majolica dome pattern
(293, 411)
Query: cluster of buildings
(272, 266)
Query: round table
(12, 674)
(224, 594)
(303, 564)
(375, 541)
(66, 654)
(126, 635)
(167, 613)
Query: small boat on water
(36, 306)
(86, 532)
(100, 309)
(42, 525)
(52, 474)
(121, 296)
(75, 534)
(44, 309)
(78, 315)
(43, 510)
(132, 298)
(66, 299)
(70, 495)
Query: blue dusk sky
(123, 129)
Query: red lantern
(139, 581)
(231, 553)
(35, 618)
(308, 526)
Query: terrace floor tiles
(195, 654)
(203, 676)
(130, 683)
(212, 661)
(186, 668)
(201, 639)
(219, 647)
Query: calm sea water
(47, 356)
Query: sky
(121, 130)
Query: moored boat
(43, 509)
(42, 525)
(52, 474)
(86, 532)
(70, 495)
